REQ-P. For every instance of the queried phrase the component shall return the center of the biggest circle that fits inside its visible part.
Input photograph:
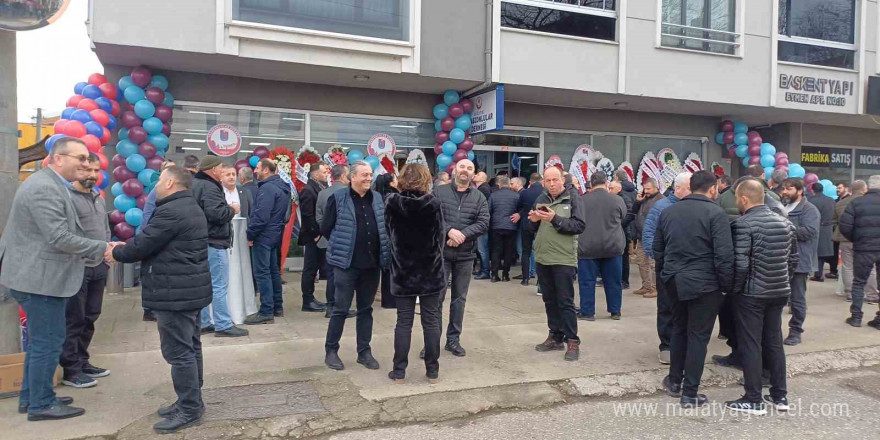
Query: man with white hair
(681, 189)
(860, 224)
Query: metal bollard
(115, 277)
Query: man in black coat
(825, 205)
(246, 179)
(209, 195)
(860, 223)
(765, 257)
(502, 207)
(628, 194)
(694, 256)
(310, 234)
(526, 202)
(176, 286)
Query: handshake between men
(108, 254)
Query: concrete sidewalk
(502, 324)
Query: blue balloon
(463, 122)
(253, 161)
(159, 81)
(443, 161)
(93, 128)
(739, 127)
(81, 116)
(768, 149)
(51, 141)
(119, 94)
(768, 160)
(78, 87)
(372, 160)
(742, 151)
(134, 94)
(741, 139)
(449, 148)
(123, 202)
(828, 188)
(126, 148)
(145, 110)
(116, 189)
(146, 176)
(450, 97)
(437, 126)
(719, 138)
(160, 141)
(456, 135)
(134, 216)
(105, 180)
(796, 170)
(122, 134)
(112, 122)
(125, 82)
(746, 161)
(768, 172)
(67, 113)
(354, 156)
(92, 91)
(441, 111)
(153, 125)
(136, 162)
(169, 100)
(470, 156)
(105, 104)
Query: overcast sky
(51, 60)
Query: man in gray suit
(339, 174)
(45, 254)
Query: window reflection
(555, 21)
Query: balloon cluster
(453, 124)
(143, 141)
(90, 116)
(751, 148)
(259, 153)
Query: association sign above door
(224, 140)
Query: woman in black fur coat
(415, 229)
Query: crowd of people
(707, 249)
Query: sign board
(380, 144)
(488, 113)
(826, 157)
(806, 88)
(224, 140)
(868, 159)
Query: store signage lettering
(826, 157)
(488, 113)
(868, 159)
(815, 90)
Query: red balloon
(731, 152)
(101, 193)
(155, 162)
(455, 110)
(166, 129)
(109, 90)
(74, 100)
(92, 143)
(75, 129)
(147, 150)
(132, 187)
(459, 155)
(114, 108)
(755, 150)
(117, 216)
(466, 145)
(123, 231)
(97, 79)
(141, 76)
(100, 116)
(58, 128)
(46, 161)
(155, 95)
(103, 161)
(106, 136)
(782, 161)
(123, 174)
(447, 123)
(261, 152)
(129, 119)
(142, 201)
(87, 104)
(137, 134)
(754, 160)
(163, 112)
(466, 105)
(100, 179)
(117, 161)
(438, 149)
(728, 137)
(727, 127)
(441, 136)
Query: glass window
(816, 55)
(832, 21)
(509, 138)
(387, 19)
(564, 145)
(707, 25)
(638, 146)
(834, 164)
(355, 133)
(559, 21)
(867, 164)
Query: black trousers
(798, 302)
(460, 273)
(503, 250)
(359, 284)
(429, 308)
(727, 323)
(83, 309)
(664, 315)
(182, 348)
(759, 330)
(330, 291)
(692, 324)
(557, 291)
(313, 261)
(528, 240)
(863, 264)
(624, 272)
(388, 301)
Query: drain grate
(261, 401)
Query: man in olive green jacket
(727, 200)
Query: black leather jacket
(765, 254)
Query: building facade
(624, 76)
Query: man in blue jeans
(600, 249)
(481, 182)
(264, 232)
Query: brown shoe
(573, 351)
(651, 294)
(549, 344)
(641, 291)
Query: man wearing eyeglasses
(45, 252)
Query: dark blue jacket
(343, 234)
(527, 198)
(502, 205)
(266, 222)
(651, 223)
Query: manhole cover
(261, 401)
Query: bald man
(765, 258)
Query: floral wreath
(284, 161)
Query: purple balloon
(459, 155)
(754, 160)
(132, 187)
(117, 161)
(781, 154)
(123, 230)
(441, 136)
(117, 216)
(147, 150)
(137, 134)
(447, 123)
(155, 162)
(141, 201)
(466, 145)
(438, 149)
(781, 161)
(166, 129)
(123, 174)
(783, 168)
(754, 137)
(155, 95)
(755, 150)
(163, 112)
(450, 169)
(755, 143)
(243, 163)
(129, 119)
(261, 152)
(141, 76)
(810, 179)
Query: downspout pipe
(487, 78)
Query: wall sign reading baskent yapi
(817, 90)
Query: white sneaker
(664, 357)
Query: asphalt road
(830, 406)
